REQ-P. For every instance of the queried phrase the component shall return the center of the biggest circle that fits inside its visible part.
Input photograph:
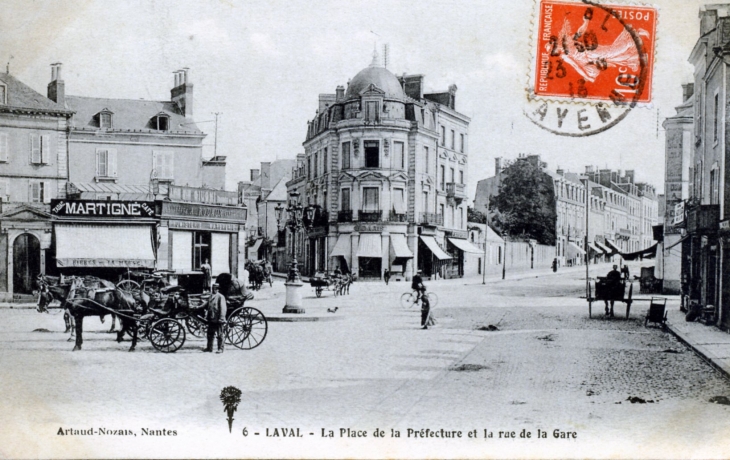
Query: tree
(527, 196)
(472, 215)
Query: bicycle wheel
(407, 299)
(433, 298)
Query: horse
(255, 275)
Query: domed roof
(378, 76)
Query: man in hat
(216, 317)
(613, 280)
(417, 285)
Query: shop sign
(202, 195)
(102, 208)
(131, 263)
(679, 213)
(461, 234)
(201, 225)
(364, 227)
(198, 211)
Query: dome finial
(376, 57)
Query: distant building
(385, 165)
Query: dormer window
(161, 122)
(105, 119)
(3, 94)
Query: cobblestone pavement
(627, 391)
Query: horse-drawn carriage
(610, 291)
(322, 281)
(154, 310)
(259, 272)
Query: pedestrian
(418, 286)
(613, 280)
(555, 265)
(216, 318)
(386, 276)
(426, 319)
(625, 272)
(207, 275)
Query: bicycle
(408, 299)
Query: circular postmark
(593, 63)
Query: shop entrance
(26, 263)
(370, 267)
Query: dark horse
(82, 301)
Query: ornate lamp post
(294, 220)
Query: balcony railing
(344, 215)
(393, 217)
(370, 216)
(455, 190)
(431, 218)
(703, 219)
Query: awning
(573, 250)
(369, 245)
(465, 246)
(604, 248)
(647, 253)
(399, 247)
(342, 247)
(593, 248)
(613, 246)
(104, 246)
(253, 251)
(677, 242)
(435, 248)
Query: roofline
(28, 110)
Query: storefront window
(201, 248)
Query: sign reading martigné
(102, 208)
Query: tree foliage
(472, 215)
(525, 206)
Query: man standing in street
(386, 276)
(216, 317)
(613, 280)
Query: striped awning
(574, 250)
(603, 248)
(593, 248)
(342, 247)
(104, 246)
(435, 249)
(465, 246)
(399, 247)
(369, 245)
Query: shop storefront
(104, 238)
(460, 250)
(432, 260)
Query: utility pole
(486, 238)
(588, 212)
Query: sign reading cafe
(102, 208)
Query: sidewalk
(707, 341)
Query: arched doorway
(26, 263)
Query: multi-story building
(570, 202)
(707, 220)
(385, 166)
(678, 150)
(33, 170)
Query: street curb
(302, 319)
(707, 356)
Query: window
(425, 202)
(371, 111)
(105, 120)
(370, 199)
(163, 162)
(461, 144)
(346, 155)
(372, 154)
(426, 155)
(315, 173)
(461, 176)
(443, 135)
(443, 177)
(453, 175)
(3, 146)
(3, 94)
(399, 159)
(717, 115)
(441, 211)
(40, 149)
(309, 167)
(714, 188)
(39, 192)
(461, 217)
(106, 163)
(324, 161)
(345, 199)
(161, 122)
(399, 203)
(453, 139)
(201, 248)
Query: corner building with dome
(385, 167)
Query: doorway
(26, 263)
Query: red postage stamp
(595, 52)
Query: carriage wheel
(407, 299)
(247, 328)
(167, 335)
(319, 292)
(128, 286)
(196, 327)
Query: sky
(262, 65)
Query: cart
(602, 290)
(324, 282)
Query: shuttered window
(39, 192)
(106, 163)
(399, 161)
(45, 149)
(346, 155)
(3, 146)
(163, 164)
(35, 149)
(399, 204)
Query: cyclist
(417, 285)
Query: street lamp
(294, 220)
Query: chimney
(605, 177)
(182, 93)
(340, 93)
(255, 173)
(57, 88)
(589, 170)
(687, 91)
(629, 176)
(412, 86)
(497, 165)
(560, 172)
